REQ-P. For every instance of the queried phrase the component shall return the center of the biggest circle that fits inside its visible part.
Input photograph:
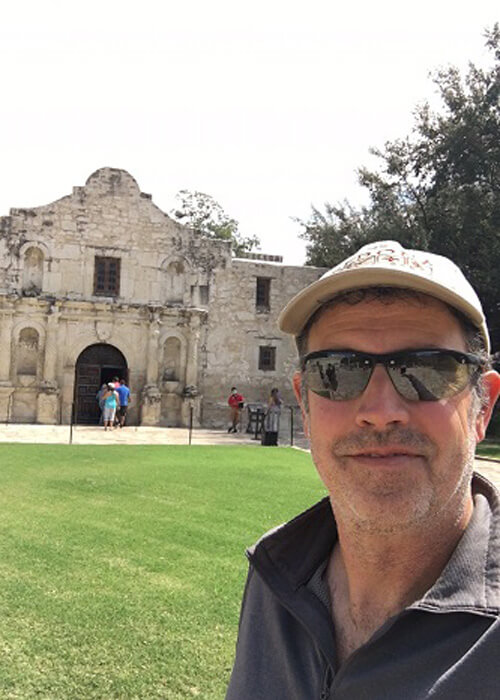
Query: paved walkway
(94, 435)
(490, 469)
(134, 435)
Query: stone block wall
(109, 217)
(237, 328)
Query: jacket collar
(289, 555)
(297, 548)
(470, 582)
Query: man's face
(391, 464)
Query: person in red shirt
(236, 402)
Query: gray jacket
(445, 645)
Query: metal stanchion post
(255, 437)
(9, 409)
(190, 423)
(291, 426)
(71, 423)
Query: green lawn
(489, 448)
(122, 567)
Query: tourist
(236, 402)
(111, 403)
(124, 396)
(100, 400)
(272, 419)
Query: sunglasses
(417, 375)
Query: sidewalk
(134, 435)
(490, 469)
(140, 435)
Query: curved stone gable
(112, 181)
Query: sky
(268, 106)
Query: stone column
(6, 403)
(6, 323)
(47, 407)
(6, 388)
(152, 357)
(192, 352)
(151, 396)
(49, 366)
(191, 399)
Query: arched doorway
(96, 365)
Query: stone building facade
(102, 283)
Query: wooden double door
(97, 365)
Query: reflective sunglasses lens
(339, 377)
(429, 376)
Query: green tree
(437, 189)
(204, 214)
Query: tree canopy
(437, 189)
(204, 214)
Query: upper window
(204, 294)
(267, 357)
(107, 277)
(263, 294)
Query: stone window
(107, 277)
(204, 294)
(263, 294)
(199, 294)
(267, 357)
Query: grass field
(122, 567)
(489, 448)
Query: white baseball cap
(388, 264)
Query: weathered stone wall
(107, 217)
(185, 319)
(64, 329)
(237, 328)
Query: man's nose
(380, 405)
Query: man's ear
(491, 382)
(297, 388)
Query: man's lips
(373, 447)
(391, 456)
(377, 453)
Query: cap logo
(398, 258)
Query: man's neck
(372, 576)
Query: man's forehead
(363, 302)
(376, 326)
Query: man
(236, 402)
(124, 395)
(390, 587)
